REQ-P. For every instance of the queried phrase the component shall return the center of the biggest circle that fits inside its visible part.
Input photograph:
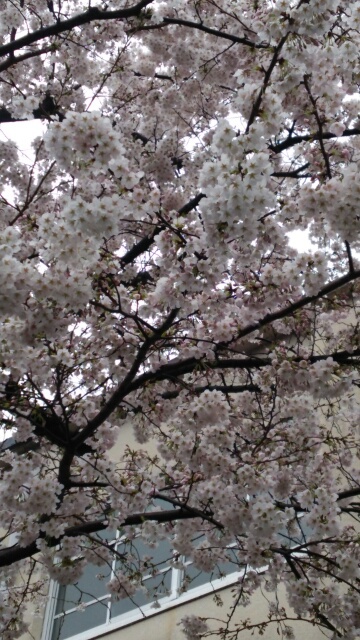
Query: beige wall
(165, 625)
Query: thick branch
(123, 388)
(174, 369)
(349, 493)
(15, 553)
(295, 173)
(229, 388)
(294, 306)
(291, 141)
(25, 56)
(91, 15)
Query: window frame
(147, 610)
(139, 613)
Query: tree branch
(15, 553)
(25, 56)
(295, 173)
(123, 388)
(231, 388)
(91, 15)
(294, 306)
(291, 141)
(145, 243)
(257, 104)
(319, 124)
(214, 32)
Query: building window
(85, 610)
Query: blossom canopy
(150, 289)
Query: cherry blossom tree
(148, 285)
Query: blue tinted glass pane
(299, 533)
(128, 604)
(158, 586)
(194, 577)
(159, 557)
(108, 534)
(154, 589)
(76, 622)
(230, 565)
(87, 588)
(161, 505)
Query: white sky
(22, 133)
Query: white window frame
(139, 613)
(148, 610)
